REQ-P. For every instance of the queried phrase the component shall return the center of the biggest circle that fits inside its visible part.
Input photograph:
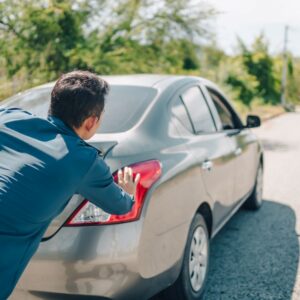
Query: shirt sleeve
(99, 188)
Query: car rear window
(123, 107)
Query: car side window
(198, 110)
(226, 117)
(179, 111)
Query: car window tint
(225, 115)
(124, 105)
(198, 110)
(180, 112)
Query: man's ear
(90, 122)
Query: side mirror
(253, 121)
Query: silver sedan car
(198, 163)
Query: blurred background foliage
(41, 39)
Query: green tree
(40, 36)
(260, 64)
(241, 81)
(149, 36)
(45, 38)
(293, 80)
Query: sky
(247, 18)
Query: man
(44, 162)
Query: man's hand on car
(126, 180)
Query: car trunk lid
(103, 143)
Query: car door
(212, 150)
(243, 141)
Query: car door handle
(238, 152)
(207, 165)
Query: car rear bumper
(91, 261)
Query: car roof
(145, 80)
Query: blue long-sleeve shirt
(42, 164)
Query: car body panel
(217, 149)
(245, 168)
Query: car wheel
(191, 281)
(254, 201)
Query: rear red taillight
(89, 214)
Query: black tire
(182, 289)
(254, 201)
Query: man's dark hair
(76, 96)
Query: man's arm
(99, 188)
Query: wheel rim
(259, 185)
(198, 258)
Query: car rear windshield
(124, 105)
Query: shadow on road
(270, 145)
(255, 256)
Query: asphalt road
(256, 255)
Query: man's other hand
(126, 180)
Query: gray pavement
(256, 255)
